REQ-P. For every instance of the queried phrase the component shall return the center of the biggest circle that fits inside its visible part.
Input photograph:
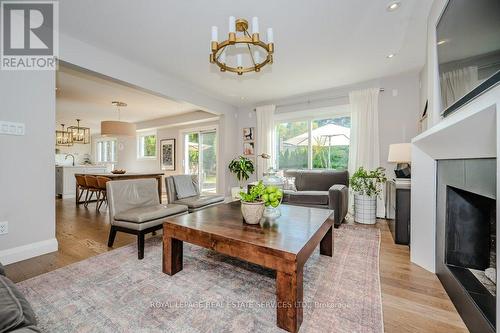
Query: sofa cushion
(317, 180)
(199, 201)
(184, 186)
(15, 311)
(309, 197)
(149, 213)
(286, 195)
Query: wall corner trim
(27, 251)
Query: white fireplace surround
(470, 132)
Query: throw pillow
(289, 183)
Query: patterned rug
(115, 292)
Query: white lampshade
(117, 128)
(399, 153)
(255, 25)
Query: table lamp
(400, 153)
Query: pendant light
(118, 127)
(80, 134)
(64, 138)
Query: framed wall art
(167, 154)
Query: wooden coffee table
(284, 246)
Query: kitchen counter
(65, 178)
(128, 175)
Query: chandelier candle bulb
(270, 36)
(215, 37)
(239, 60)
(255, 25)
(232, 24)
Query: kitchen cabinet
(65, 178)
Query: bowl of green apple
(272, 199)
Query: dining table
(128, 175)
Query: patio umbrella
(329, 135)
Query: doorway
(200, 158)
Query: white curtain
(264, 142)
(364, 149)
(456, 83)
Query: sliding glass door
(200, 158)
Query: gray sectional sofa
(16, 314)
(320, 188)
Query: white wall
(27, 173)
(399, 109)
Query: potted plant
(242, 167)
(367, 185)
(252, 206)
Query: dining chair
(93, 188)
(101, 195)
(82, 187)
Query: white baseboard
(24, 252)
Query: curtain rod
(309, 101)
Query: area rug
(115, 292)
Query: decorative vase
(271, 212)
(252, 211)
(270, 178)
(365, 209)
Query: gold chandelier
(64, 138)
(80, 134)
(251, 42)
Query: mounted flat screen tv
(468, 48)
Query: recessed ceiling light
(393, 5)
(389, 56)
(243, 98)
(441, 42)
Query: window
(146, 146)
(293, 148)
(313, 143)
(106, 151)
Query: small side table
(398, 207)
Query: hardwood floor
(413, 299)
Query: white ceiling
(88, 97)
(319, 44)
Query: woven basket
(365, 209)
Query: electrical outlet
(4, 227)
